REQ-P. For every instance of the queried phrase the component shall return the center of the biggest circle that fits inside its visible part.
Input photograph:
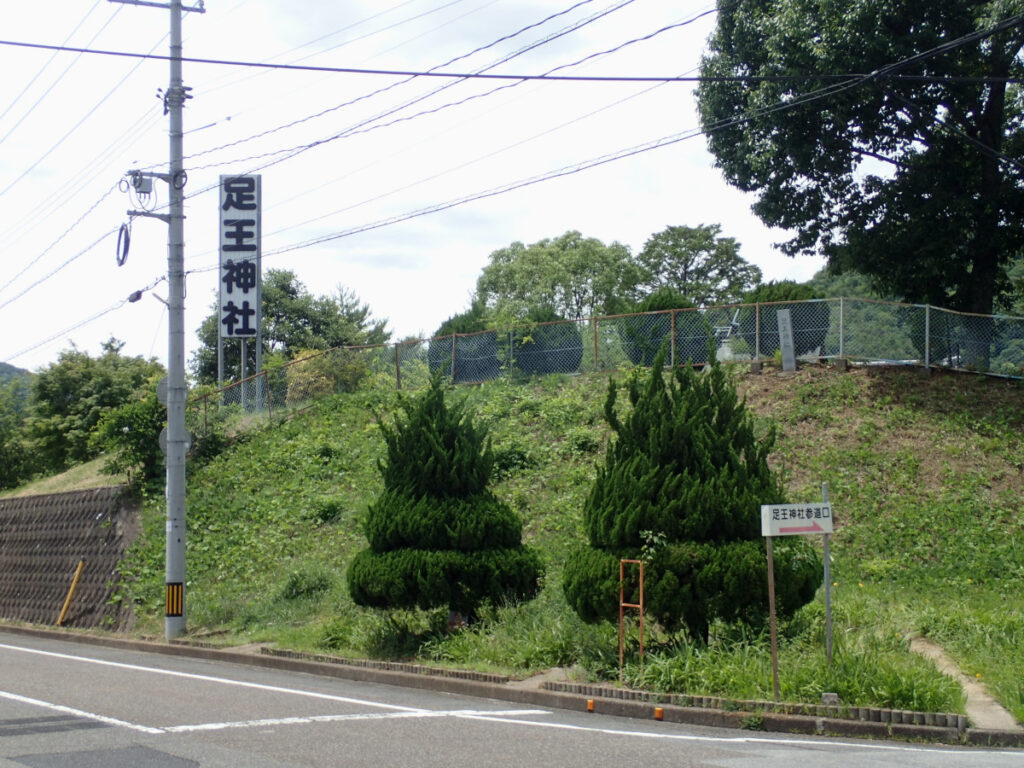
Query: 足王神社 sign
(240, 278)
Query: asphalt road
(64, 704)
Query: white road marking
(725, 740)
(210, 679)
(415, 712)
(79, 713)
(473, 714)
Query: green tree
(130, 436)
(293, 319)
(71, 396)
(644, 335)
(549, 344)
(682, 486)
(698, 264)
(475, 352)
(437, 535)
(811, 320)
(903, 173)
(573, 276)
(17, 460)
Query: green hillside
(925, 474)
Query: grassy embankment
(925, 474)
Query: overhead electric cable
(453, 169)
(83, 323)
(50, 61)
(351, 41)
(392, 86)
(66, 263)
(790, 103)
(64, 234)
(59, 77)
(371, 123)
(46, 208)
(877, 74)
(75, 127)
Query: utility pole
(177, 434)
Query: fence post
(672, 339)
(757, 331)
(927, 335)
(511, 356)
(398, 370)
(597, 364)
(266, 388)
(841, 328)
(453, 356)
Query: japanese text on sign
(240, 282)
(795, 519)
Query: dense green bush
(682, 486)
(130, 436)
(437, 536)
(550, 346)
(475, 352)
(643, 335)
(810, 318)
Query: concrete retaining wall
(42, 540)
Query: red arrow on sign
(803, 529)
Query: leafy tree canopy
(293, 319)
(571, 275)
(902, 178)
(699, 264)
(71, 396)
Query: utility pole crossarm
(200, 8)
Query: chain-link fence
(853, 329)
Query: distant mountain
(8, 372)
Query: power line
(371, 124)
(82, 323)
(64, 234)
(379, 91)
(815, 95)
(878, 74)
(789, 103)
(59, 77)
(75, 127)
(65, 264)
(50, 61)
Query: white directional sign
(796, 519)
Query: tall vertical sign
(786, 340)
(240, 265)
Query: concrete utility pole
(177, 434)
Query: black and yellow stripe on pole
(175, 602)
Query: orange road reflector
(659, 713)
(590, 705)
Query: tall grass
(925, 477)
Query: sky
(383, 147)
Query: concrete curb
(546, 697)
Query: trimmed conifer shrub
(687, 472)
(437, 535)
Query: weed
(307, 582)
(752, 723)
(924, 476)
